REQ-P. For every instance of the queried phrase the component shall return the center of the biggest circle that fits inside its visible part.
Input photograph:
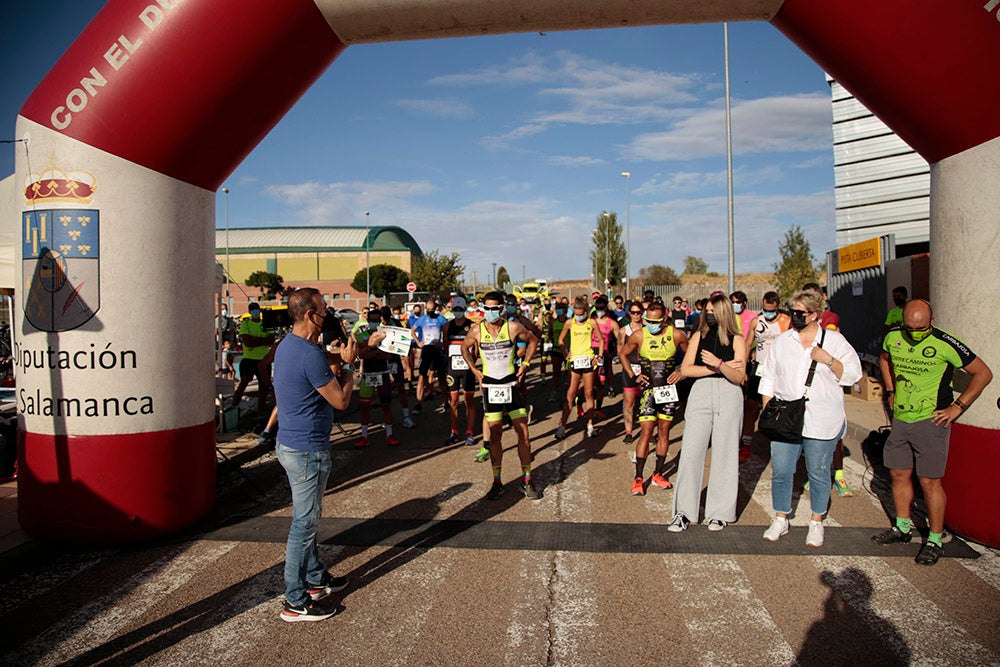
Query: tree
(607, 256)
(271, 283)
(434, 272)
(502, 277)
(797, 266)
(384, 278)
(658, 274)
(695, 266)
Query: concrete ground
(588, 575)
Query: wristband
(347, 368)
(962, 406)
(718, 369)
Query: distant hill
(564, 287)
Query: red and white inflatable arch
(157, 102)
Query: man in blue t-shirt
(307, 389)
(428, 331)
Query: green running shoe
(483, 455)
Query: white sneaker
(815, 536)
(778, 527)
(679, 524)
(715, 525)
(590, 430)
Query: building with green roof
(327, 258)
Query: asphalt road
(587, 575)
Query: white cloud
(575, 161)
(313, 203)
(770, 124)
(437, 107)
(699, 227)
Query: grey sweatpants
(714, 413)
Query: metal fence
(754, 291)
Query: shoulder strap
(812, 366)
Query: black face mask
(710, 320)
(899, 301)
(799, 321)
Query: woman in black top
(715, 358)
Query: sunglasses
(915, 329)
(635, 312)
(801, 313)
(652, 321)
(493, 309)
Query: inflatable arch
(156, 103)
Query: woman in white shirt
(784, 376)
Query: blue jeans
(307, 475)
(784, 459)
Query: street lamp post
(628, 234)
(368, 264)
(729, 167)
(229, 305)
(495, 280)
(607, 251)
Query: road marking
(95, 623)
(718, 601)
(29, 586)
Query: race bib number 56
(666, 394)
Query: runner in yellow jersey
(658, 377)
(494, 342)
(579, 332)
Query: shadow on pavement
(851, 632)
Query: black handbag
(783, 420)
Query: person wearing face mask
(607, 328)
(677, 314)
(743, 313)
(657, 343)
(580, 332)
(630, 388)
(375, 378)
(716, 359)
(917, 363)
(558, 355)
(895, 316)
(764, 328)
(515, 314)
(785, 375)
(492, 343)
(257, 343)
(428, 330)
(460, 378)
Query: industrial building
(326, 258)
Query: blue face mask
(255, 314)
(492, 316)
(512, 309)
(560, 311)
(738, 307)
(770, 314)
(581, 318)
(653, 328)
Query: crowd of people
(716, 365)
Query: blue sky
(507, 148)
